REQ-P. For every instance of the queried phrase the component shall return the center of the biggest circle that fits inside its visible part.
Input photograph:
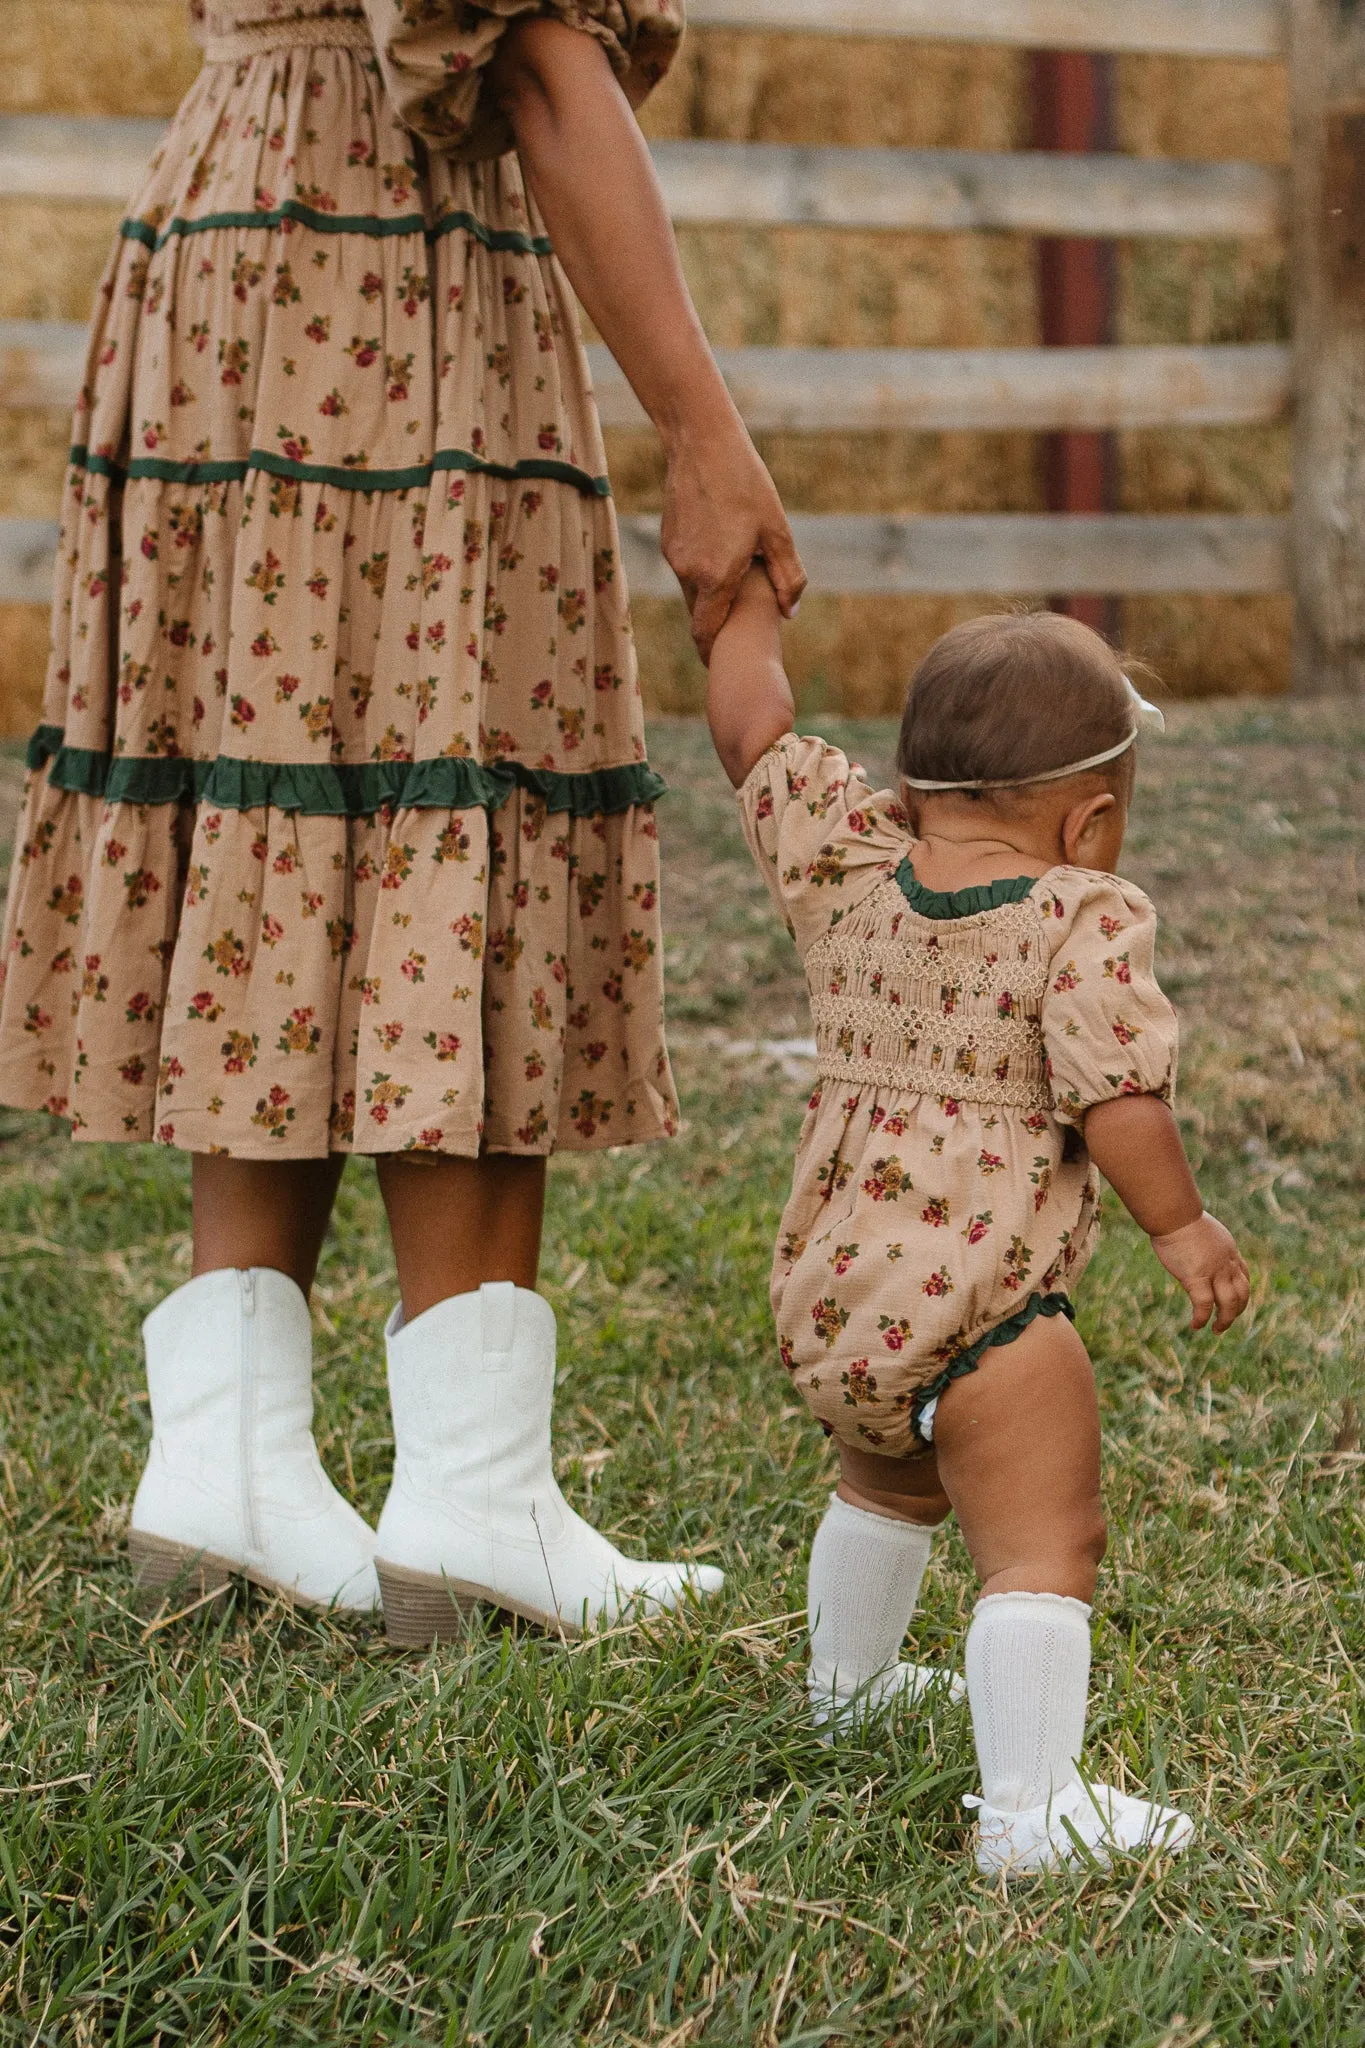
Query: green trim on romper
(944, 904)
(337, 790)
(375, 225)
(235, 470)
(1003, 1333)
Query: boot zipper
(248, 1414)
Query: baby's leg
(1018, 1448)
(866, 1566)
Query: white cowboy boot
(233, 1481)
(475, 1512)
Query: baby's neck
(947, 860)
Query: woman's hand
(586, 162)
(721, 512)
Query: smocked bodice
(904, 1001)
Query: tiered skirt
(339, 831)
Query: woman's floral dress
(339, 833)
(942, 1196)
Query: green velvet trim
(418, 477)
(337, 790)
(1003, 1333)
(949, 903)
(375, 225)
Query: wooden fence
(1321, 201)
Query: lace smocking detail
(907, 1002)
(315, 31)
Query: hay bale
(738, 86)
(23, 666)
(1202, 108)
(851, 656)
(33, 450)
(52, 257)
(95, 57)
(1213, 646)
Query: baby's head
(1023, 726)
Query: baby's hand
(1204, 1258)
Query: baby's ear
(1080, 825)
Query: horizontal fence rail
(27, 547)
(1190, 28)
(856, 390)
(1021, 554)
(946, 191)
(45, 156)
(763, 184)
(42, 363)
(1014, 553)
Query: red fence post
(1073, 112)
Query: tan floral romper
(339, 830)
(942, 1196)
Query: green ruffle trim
(415, 478)
(949, 903)
(1003, 1333)
(337, 790)
(375, 225)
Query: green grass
(244, 1826)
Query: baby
(989, 1031)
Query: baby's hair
(1015, 695)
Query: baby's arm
(748, 697)
(1135, 1142)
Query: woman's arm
(586, 162)
(748, 697)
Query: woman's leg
(456, 1223)
(263, 1212)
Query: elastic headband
(1149, 718)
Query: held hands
(721, 511)
(1204, 1258)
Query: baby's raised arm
(748, 697)
(1135, 1142)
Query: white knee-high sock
(865, 1575)
(1028, 1672)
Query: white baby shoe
(1082, 1821)
(835, 1712)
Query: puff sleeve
(1107, 1027)
(820, 836)
(434, 54)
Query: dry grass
(246, 1828)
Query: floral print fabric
(434, 52)
(339, 830)
(924, 1215)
